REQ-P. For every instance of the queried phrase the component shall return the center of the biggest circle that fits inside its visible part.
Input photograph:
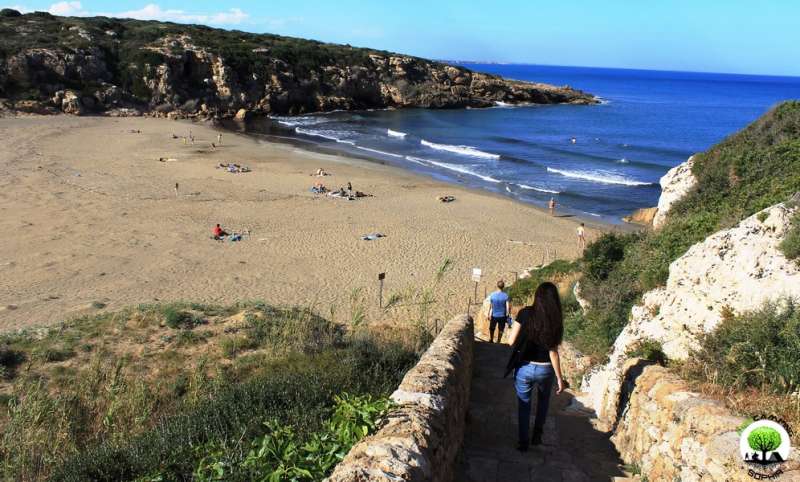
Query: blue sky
(756, 37)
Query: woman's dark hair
(543, 321)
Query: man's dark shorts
(499, 322)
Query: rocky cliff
(80, 65)
(674, 185)
(732, 271)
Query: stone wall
(421, 437)
(672, 433)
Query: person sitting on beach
(218, 232)
(318, 188)
(321, 173)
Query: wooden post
(381, 277)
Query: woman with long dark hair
(535, 337)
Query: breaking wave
(462, 150)
(599, 176)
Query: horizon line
(493, 62)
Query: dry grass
(752, 402)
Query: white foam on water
(462, 150)
(297, 121)
(376, 151)
(463, 170)
(540, 189)
(599, 176)
(418, 160)
(324, 134)
(398, 134)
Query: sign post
(476, 277)
(381, 277)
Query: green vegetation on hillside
(758, 349)
(750, 360)
(122, 40)
(790, 246)
(747, 172)
(171, 392)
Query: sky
(735, 36)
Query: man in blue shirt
(498, 311)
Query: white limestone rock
(674, 185)
(737, 269)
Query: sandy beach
(91, 222)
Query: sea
(598, 161)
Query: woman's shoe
(537, 437)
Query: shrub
(757, 349)
(601, 256)
(296, 390)
(522, 290)
(9, 360)
(790, 246)
(233, 345)
(55, 354)
(175, 318)
(648, 349)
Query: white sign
(476, 275)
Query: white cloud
(153, 11)
(66, 9)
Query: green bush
(295, 390)
(176, 318)
(9, 360)
(282, 454)
(790, 246)
(757, 349)
(601, 256)
(522, 290)
(648, 349)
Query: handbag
(515, 360)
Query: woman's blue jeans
(526, 378)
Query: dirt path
(572, 451)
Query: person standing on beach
(552, 206)
(349, 189)
(219, 138)
(581, 237)
(499, 309)
(176, 189)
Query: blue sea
(600, 161)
